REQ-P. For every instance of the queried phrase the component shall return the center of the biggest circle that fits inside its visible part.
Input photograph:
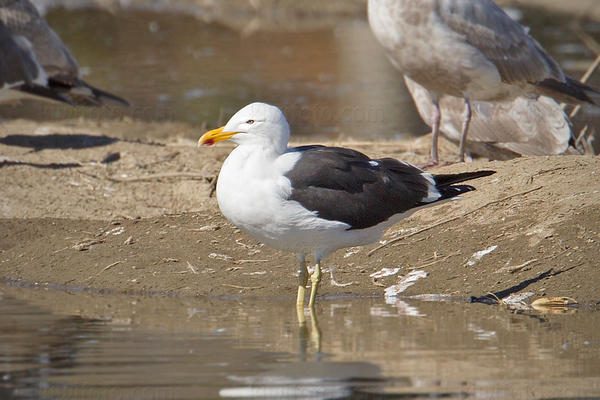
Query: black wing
(346, 185)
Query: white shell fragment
(405, 283)
(478, 255)
(385, 272)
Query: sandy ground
(85, 204)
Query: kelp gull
(315, 199)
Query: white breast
(252, 193)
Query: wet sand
(145, 221)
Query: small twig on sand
(192, 268)
(593, 45)
(581, 136)
(63, 249)
(585, 77)
(241, 287)
(516, 268)
(545, 171)
(452, 219)
(213, 186)
(588, 40)
(519, 267)
(456, 253)
(552, 256)
(162, 159)
(109, 266)
(188, 175)
(493, 296)
(85, 244)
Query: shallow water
(332, 78)
(121, 347)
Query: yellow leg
(315, 331)
(302, 281)
(308, 336)
(315, 278)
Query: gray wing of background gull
(22, 20)
(471, 49)
(501, 130)
(20, 69)
(518, 57)
(504, 42)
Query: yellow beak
(214, 136)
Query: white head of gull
(313, 200)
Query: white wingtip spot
(432, 193)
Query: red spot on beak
(209, 142)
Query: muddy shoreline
(144, 221)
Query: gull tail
(571, 91)
(83, 94)
(104, 97)
(444, 185)
(44, 92)
(450, 179)
(447, 189)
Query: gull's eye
(250, 121)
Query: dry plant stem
(241, 287)
(109, 266)
(456, 253)
(588, 40)
(192, 268)
(581, 135)
(594, 46)
(452, 219)
(188, 175)
(584, 79)
(519, 267)
(516, 268)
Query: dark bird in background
(35, 61)
(470, 49)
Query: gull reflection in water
(310, 379)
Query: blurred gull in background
(36, 62)
(499, 131)
(470, 49)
